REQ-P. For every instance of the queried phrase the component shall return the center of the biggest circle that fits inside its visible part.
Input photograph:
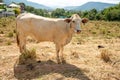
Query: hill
(90, 5)
(70, 7)
(29, 3)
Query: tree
(22, 6)
(98, 16)
(92, 14)
(1, 0)
(29, 9)
(39, 12)
(85, 14)
(113, 15)
(58, 13)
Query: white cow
(59, 31)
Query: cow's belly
(47, 38)
(42, 36)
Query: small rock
(100, 46)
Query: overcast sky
(63, 3)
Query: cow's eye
(73, 21)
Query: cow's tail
(17, 38)
(17, 35)
(17, 26)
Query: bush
(17, 11)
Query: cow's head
(75, 21)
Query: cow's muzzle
(78, 31)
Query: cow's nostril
(78, 31)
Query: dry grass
(7, 27)
(8, 42)
(28, 56)
(102, 29)
(84, 61)
(105, 55)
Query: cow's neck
(70, 33)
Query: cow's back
(43, 29)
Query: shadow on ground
(36, 69)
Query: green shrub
(17, 11)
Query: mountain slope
(35, 5)
(86, 6)
(91, 5)
(70, 7)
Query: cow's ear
(84, 20)
(68, 20)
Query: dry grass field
(92, 55)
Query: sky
(63, 3)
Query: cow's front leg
(62, 56)
(57, 53)
(22, 44)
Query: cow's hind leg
(22, 45)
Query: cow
(59, 31)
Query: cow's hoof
(63, 61)
(59, 62)
(39, 61)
